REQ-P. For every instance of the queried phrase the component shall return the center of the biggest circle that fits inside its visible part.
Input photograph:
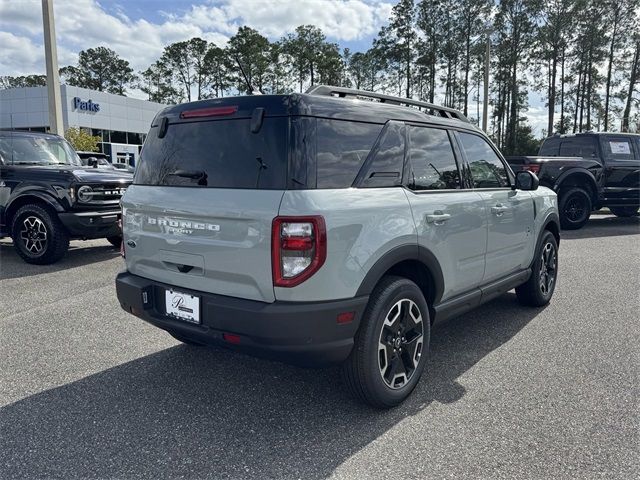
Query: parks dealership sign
(88, 106)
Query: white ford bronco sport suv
(334, 226)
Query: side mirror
(526, 180)
(92, 162)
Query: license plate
(183, 306)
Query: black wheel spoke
(547, 268)
(412, 349)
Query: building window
(134, 138)
(118, 137)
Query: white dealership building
(121, 122)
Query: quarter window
(384, 168)
(342, 149)
(433, 164)
(487, 170)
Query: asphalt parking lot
(87, 391)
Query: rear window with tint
(219, 154)
(579, 147)
(342, 148)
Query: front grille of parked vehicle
(101, 194)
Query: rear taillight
(298, 249)
(533, 167)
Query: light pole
(487, 62)
(51, 60)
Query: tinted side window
(384, 167)
(579, 147)
(433, 164)
(487, 170)
(550, 147)
(342, 149)
(618, 148)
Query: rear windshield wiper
(198, 175)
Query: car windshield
(33, 150)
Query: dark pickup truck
(588, 171)
(48, 197)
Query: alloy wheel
(548, 265)
(400, 343)
(34, 235)
(575, 209)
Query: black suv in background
(48, 197)
(588, 171)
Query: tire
(624, 211)
(373, 372)
(575, 208)
(538, 290)
(38, 235)
(116, 240)
(185, 340)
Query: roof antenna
(246, 79)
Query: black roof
(341, 108)
(590, 134)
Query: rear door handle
(499, 209)
(437, 217)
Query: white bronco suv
(334, 226)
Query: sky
(139, 29)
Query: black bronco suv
(588, 171)
(47, 196)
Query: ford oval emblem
(131, 243)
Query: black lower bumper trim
(95, 224)
(306, 334)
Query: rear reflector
(297, 243)
(346, 317)
(209, 112)
(231, 338)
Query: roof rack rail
(430, 108)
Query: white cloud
(340, 20)
(19, 54)
(82, 24)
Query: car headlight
(85, 193)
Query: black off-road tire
(184, 340)
(575, 208)
(534, 293)
(363, 371)
(116, 240)
(54, 238)
(624, 211)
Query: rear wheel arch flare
(580, 179)
(553, 226)
(414, 262)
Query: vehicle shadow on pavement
(79, 254)
(604, 226)
(206, 413)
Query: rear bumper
(96, 224)
(305, 334)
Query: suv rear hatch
(205, 193)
